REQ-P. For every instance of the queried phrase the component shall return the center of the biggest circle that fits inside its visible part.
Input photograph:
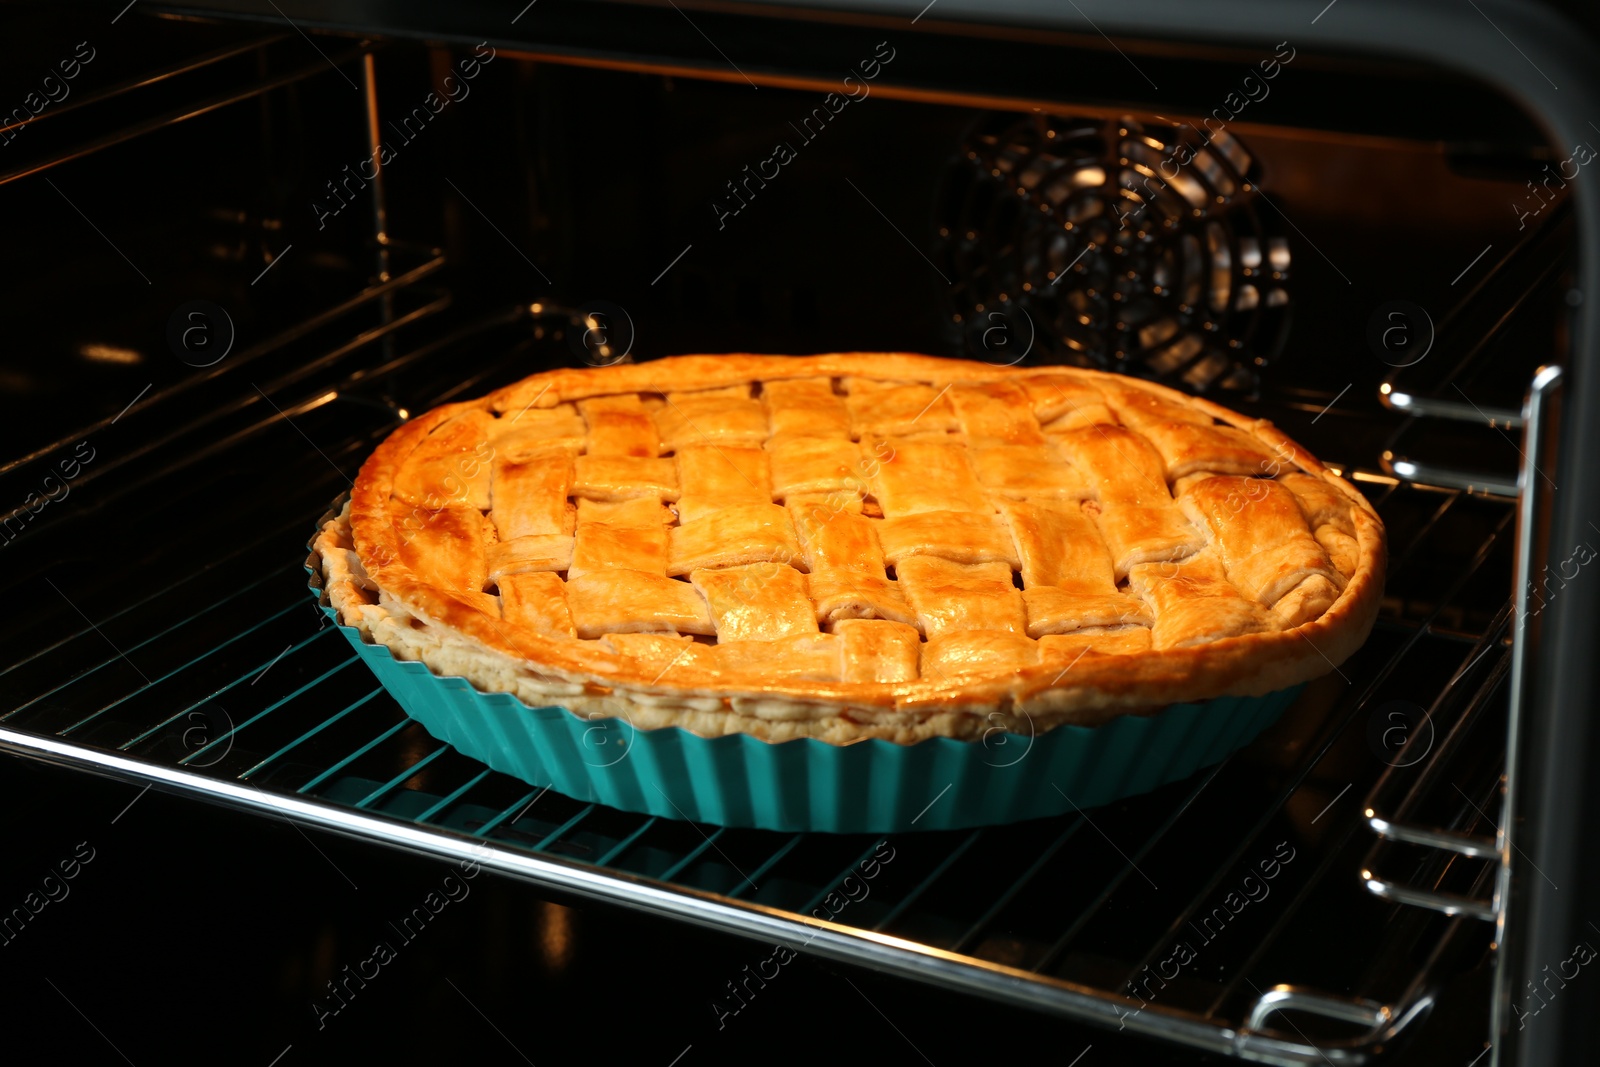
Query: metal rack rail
(192, 107)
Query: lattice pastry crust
(851, 546)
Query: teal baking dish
(871, 786)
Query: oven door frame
(1536, 57)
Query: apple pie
(853, 546)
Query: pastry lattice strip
(865, 530)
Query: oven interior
(552, 207)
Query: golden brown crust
(1087, 689)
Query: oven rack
(164, 427)
(173, 91)
(1484, 355)
(1392, 811)
(222, 681)
(1481, 318)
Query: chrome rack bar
(1470, 845)
(1476, 483)
(1377, 1016)
(232, 553)
(1451, 499)
(928, 880)
(156, 77)
(380, 199)
(1058, 948)
(1432, 899)
(300, 329)
(1387, 824)
(181, 114)
(1400, 394)
(1458, 410)
(1384, 1021)
(1384, 814)
(1439, 863)
(107, 660)
(1292, 998)
(160, 439)
(1536, 411)
(968, 939)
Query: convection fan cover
(1127, 246)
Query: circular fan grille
(1115, 244)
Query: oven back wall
(680, 202)
(100, 251)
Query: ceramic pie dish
(785, 589)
